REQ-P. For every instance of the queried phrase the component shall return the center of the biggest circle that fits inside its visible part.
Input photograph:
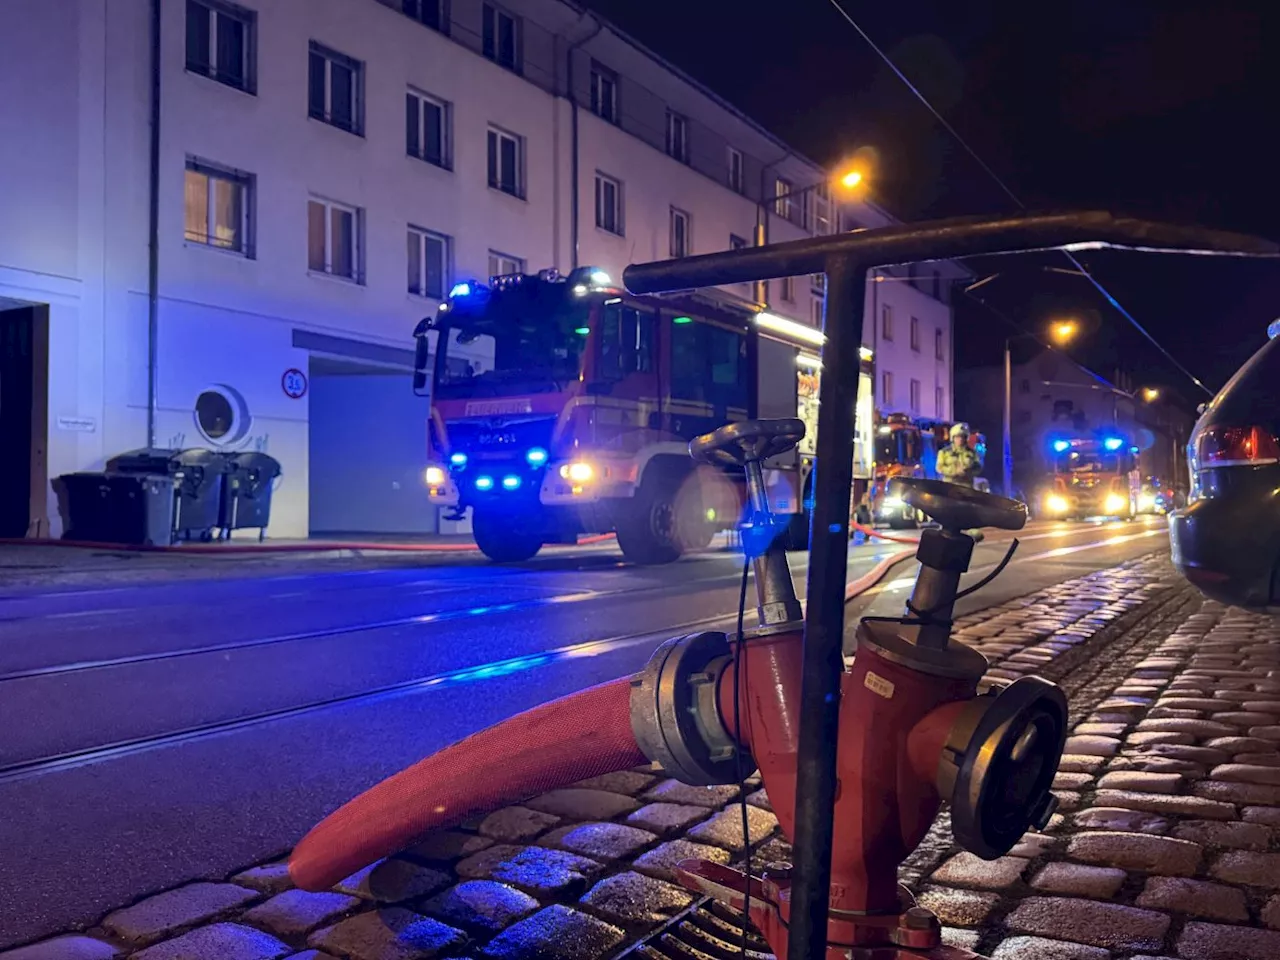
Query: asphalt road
(158, 733)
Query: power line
(915, 91)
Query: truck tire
(503, 538)
(648, 525)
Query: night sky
(1161, 108)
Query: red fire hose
(232, 547)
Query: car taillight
(1236, 446)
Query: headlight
(1146, 502)
(1056, 504)
(892, 503)
(435, 476)
(578, 472)
(1117, 503)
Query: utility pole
(1007, 445)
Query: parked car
(1226, 540)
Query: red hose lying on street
(576, 737)
(880, 535)
(229, 547)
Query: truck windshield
(517, 343)
(1086, 462)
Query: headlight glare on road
(1117, 503)
(435, 476)
(1146, 502)
(1056, 504)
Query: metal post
(761, 286)
(1007, 445)
(824, 616)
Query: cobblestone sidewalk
(1165, 845)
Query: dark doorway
(18, 357)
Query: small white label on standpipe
(878, 685)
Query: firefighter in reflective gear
(959, 463)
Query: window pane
(435, 267)
(315, 85)
(228, 214)
(509, 165)
(506, 41)
(343, 225)
(493, 159)
(415, 262)
(316, 239)
(342, 106)
(433, 128)
(489, 45)
(412, 112)
(197, 37)
(231, 49)
(196, 203)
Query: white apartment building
(229, 245)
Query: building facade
(229, 245)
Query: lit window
(737, 175)
(604, 93)
(783, 192)
(503, 39)
(679, 233)
(333, 239)
(334, 89)
(426, 128)
(608, 204)
(506, 162)
(678, 136)
(220, 42)
(218, 207)
(428, 263)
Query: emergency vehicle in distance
(577, 419)
(908, 447)
(1093, 476)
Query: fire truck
(1094, 475)
(908, 447)
(561, 405)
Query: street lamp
(1150, 394)
(1061, 331)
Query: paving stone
(967, 870)
(1033, 845)
(1180, 751)
(760, 799)
(1201, 729)
(673, 791)
(964, 908)
(1072, 781)
(221, 941)
(1080, 763)
(1234, 745)
(1241, 836)
(635, 900)
(1246, 773)
(661, 861)
(667, 818)
(627, 782)
(1137, 851)
(1244, 718)
(1109, 925)
(516, 824)
(1141, 781)
(296, 912)
(310, 955)
(960, 939)
(1201, 807)
(1118, 818)
(1126, 705)
(1068, 800)
(1146, 737)
(1271, 732)
(556, 933)
(1259, 759)
(1098, 883)
(601, 841)
(1251, 869)
(576, 804)
(167, 913)
(1268, 815)
(447, 846)
(393, 881)
(725, 828)
(1197, 898)
(1093, 746)
(1181, 702)
(1216, 941)
(73, 947)
(1237, 792)
(390, 933)
(1146, 764)
(1271, 912)
(480, 906)
(270, 878)
(535, 869)
(1038, 948)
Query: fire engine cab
(577, 418)
(1092, 476)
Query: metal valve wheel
(747, 441)
(957, 507)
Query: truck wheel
(648, 526)
(504, 539)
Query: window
(426, 126)
(428, 263)
(501, 264)
(737, 243)
(334, 89)
(782, 192)
(604, 93)
(220, 42)
(788, 288)
(709, 365)
(218, 207)
(937, 284)
(937, 345)
(503, 38)
(333, 239)
(886, 389)
(679, 233)
(822, 220)
(914, 390)
(1063, 409)
(431, 13)
(678, 136)
(608, 204)
(506, 162)
(819, 282)
(939, 402)
(737, 175)
(1024, 386)
(915, 334)
(815, 312)
(886, 322)
(626, 341)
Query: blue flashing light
(536, 456)
(600, 278)
(1061, 446)
(458, 460)
(511, 482)
(460, 290)
(1113, 443)
(484, 483)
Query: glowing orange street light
(1064, 330)
(851, 179)
(1150, 394)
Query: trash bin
(246, 492)
(129, 508)
(198, 477)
